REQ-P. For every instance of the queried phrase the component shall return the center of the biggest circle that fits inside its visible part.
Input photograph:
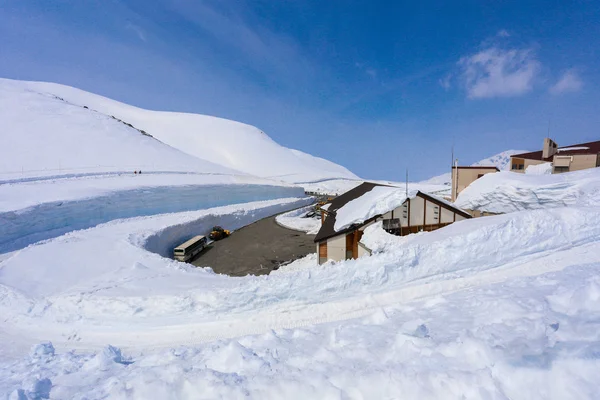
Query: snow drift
(507, 191)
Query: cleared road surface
(256, 249)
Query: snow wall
(21, 228)
(163, 241)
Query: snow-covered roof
(376, 202)
(368, 201)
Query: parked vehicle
(190, 249)
(218, 233)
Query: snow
(500, 160)
(539, 169)
(298, 221)
(51, 208)
(573, 148)
(495, 307)
(336, 187)
(53, 117)
(507, 192)
(375, 202)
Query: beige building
(564, 159)
(419, 212)
(464, 176)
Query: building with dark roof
(413, 212)
(463, 176)
(564, 159)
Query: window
(479, 175)
(559, 170)
(518, 166)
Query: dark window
(559, 170)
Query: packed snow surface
(507, 191)
(48, 123)
(375, 202)
(299, 221)
(539, 169)
(496, 307)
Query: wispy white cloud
(496, 72)
(371, 72)
(503, 33)
(446, 82)
(138, 31)
(568, 82)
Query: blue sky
(377, 86)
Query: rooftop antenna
(407, 183)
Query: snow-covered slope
(500, 160)
(230, 144)
(508, 191)
(43, 135)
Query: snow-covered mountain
(500, 160)
(60, 128)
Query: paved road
(256, 249)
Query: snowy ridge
(53, 115)
(508, 192)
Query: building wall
(578, 162)
(417, 206)
(447, 216)
(336, 248)
(432, 213)
(466, 176)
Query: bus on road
(190, 249)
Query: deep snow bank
(62, 117)
(127, 288)
(19, 228)
(507, 191)
(297, 220)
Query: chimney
(550, 148)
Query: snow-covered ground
(502, 307)
(298, 220)
(496, 307)
(507, 191)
